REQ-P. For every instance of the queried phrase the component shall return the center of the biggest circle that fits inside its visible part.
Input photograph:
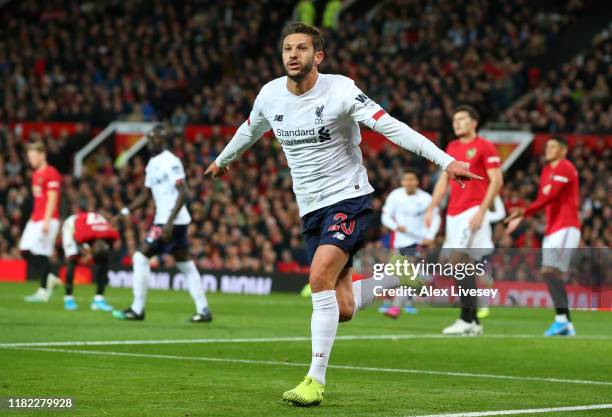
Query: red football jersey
(559, 193)
(481, 155)
(92, 226)
(45, 180)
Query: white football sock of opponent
(194, 282)
(323, 326)
(140, 281)
(363, 290)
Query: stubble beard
(303, 72)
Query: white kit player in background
(165, 179)
(315, 117)
(404, 214)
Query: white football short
(35, 241)
(558, 248)
(460, 237)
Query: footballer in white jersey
(404, 213)
(165, 181)
(315, 117)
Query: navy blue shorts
(160, 247)
(412, 250)
(343, 224)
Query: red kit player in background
(38, 238)
(83, 234)
(559, 195)
(468, 226)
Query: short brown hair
(36, 146)
(298, 27)
(469, 110)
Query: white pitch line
(300, 364)
(524, 411)
(275, 339)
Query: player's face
(554, 150)
(463, 124)
(35, 158)
(410, 182)
(299, 56)
(156, 142)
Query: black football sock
(468, 302)
(42, 267)
(101, 277)
(558, 292)
(70, 277)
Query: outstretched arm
(545, 196)
(402, 135)
(247, 134)
(361, 109)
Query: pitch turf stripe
(276, 339)
(524, 411)
(345, 367)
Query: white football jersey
(408, 210)
(163, 172)
(319, 133)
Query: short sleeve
(565, 174)
(147, 182)
(176, 173)
(53, 180)
(490, 156)
(361, 108)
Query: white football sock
(194, 282)
(323, 326)
(140, 281)
(363, 290)
(561, 318)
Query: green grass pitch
(416, 373)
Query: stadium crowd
(249, 218)
(575, 98)
(201, 62)
(99, 62)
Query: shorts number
(465, 235)
(347, 228)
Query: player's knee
(320, 281)
(181, 255)
(100, 251)
(322, 277)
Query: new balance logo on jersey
(319, 115)
(324, 134)
(362, 98)
(278, 118)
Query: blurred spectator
(574, 99)
(331, 14)
(305, 12)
